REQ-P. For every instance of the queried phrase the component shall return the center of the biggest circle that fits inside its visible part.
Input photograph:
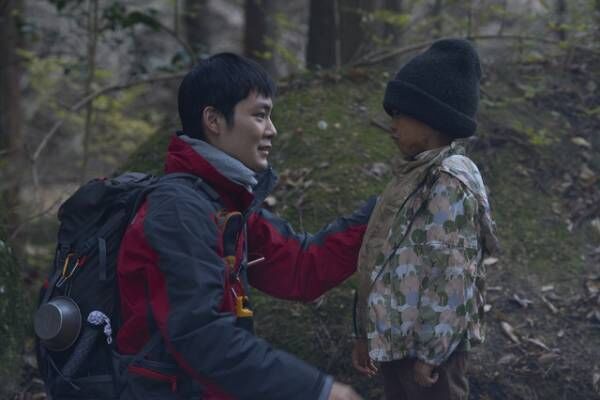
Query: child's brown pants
(452, 384)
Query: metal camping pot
(58, 323)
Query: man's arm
(304, 266)
(186, 292)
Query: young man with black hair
(192, 250)
(421, 272)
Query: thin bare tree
(436, 15)
(393, 32)
(197, 26)
(323, 49)
(12, 141)
(92, 43)
(259, 25)
(561, 19)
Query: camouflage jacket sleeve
(444, 236)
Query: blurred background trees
(84, 82)
(79, 88)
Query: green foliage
(537, 137)
(395, 19)
(286, 54)
(121, 132)
(275, 44)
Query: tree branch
(102, 91)
(378, 57)
(29, 220)
(173, 33)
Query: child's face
(413, 136)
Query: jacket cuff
(326, 390)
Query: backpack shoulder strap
(196, 181)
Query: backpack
(78, 314)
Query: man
(420, 296)
(187, 258)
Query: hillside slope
(537, 152)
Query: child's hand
(361, 360)
(424, 374)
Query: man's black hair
(220, 81)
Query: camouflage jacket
(421, 276)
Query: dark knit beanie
(439, 87)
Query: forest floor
(537, 150)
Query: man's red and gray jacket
(177, 275)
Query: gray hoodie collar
(232, 168)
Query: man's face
(249, 138)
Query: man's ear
(211, 121)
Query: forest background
(88, 87)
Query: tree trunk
(196, 25)
(597, 19)
(436, 15)
(561, 19)
(322, 50)
(258, 26)
(469, 18)
(11, 131)
(352, 34)
(393, 32)
(12, 315)
(92, 31)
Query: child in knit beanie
(420, 296)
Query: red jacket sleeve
(303, 266)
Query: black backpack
(78, 315)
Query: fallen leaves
(378, 170)
(523, 302)
(509, 331)
(587, 176)
(547, 288)
(596, 381)
(579, 141)
(594, 316)
(537, 342)
(489, 261)
(507, 359)
(547, 358)
(551, 306)
(592, 284)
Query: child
(420, 296)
